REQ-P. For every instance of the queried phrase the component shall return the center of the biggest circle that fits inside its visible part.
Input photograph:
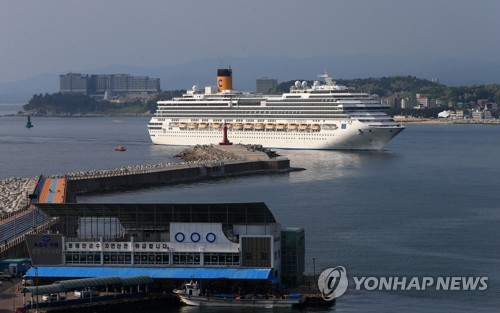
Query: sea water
(425, 206)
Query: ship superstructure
(321, 116)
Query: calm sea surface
(428, 205)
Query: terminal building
(171, 241)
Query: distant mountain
(246, 70)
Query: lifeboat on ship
(192, 125)
(216, 125)
(292, 126)
(182, 125)
(259, 126)
(248, 126)
(315, 127)
(302, 126)
(120, 148)
(203, 125)
(270, 126)
(280, 126)
(237, 126)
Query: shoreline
(400, 120)
(442, 121)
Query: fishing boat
(120, 148)
(190, 294)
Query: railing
(21, 238)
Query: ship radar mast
(328, 80)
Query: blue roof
(154, 272)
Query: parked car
(85, 293)
(53, 297)
(27, 281)
(5, 276)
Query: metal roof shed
(43, 290)
(73, 284)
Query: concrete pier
(176, 174)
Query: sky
(64, 35)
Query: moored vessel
(323, 115)
(190, 294)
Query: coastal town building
(74, 83)
(393, 100)
(98, 85)
(264, 84)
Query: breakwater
(183, 173)
(205, 162)
(201, 162)
(13, 194)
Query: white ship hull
(355, 136)
(256, 303)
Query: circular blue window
(195, 237)
(210, 237)
(179, 237)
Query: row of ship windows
(267, 116)
(249, 137)
(228, 121)
(246, 113)
(151, 258)
(243, 134)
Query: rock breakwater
(14, 191)
(208, 153)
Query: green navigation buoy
(28, 124)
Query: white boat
(321, 116)
(191, 295)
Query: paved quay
(10, 296)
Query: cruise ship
(323, 115)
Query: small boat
(29, 124)
(303, 126)
(292, 126)
(191, 295)
(192, 125)
(280, 126)
(259, 126)
(270, 126)
(248, 126)
(237, 126)
(216, 125)
(120, 148)
(203, 125)
(315, 127)
(182, 125)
